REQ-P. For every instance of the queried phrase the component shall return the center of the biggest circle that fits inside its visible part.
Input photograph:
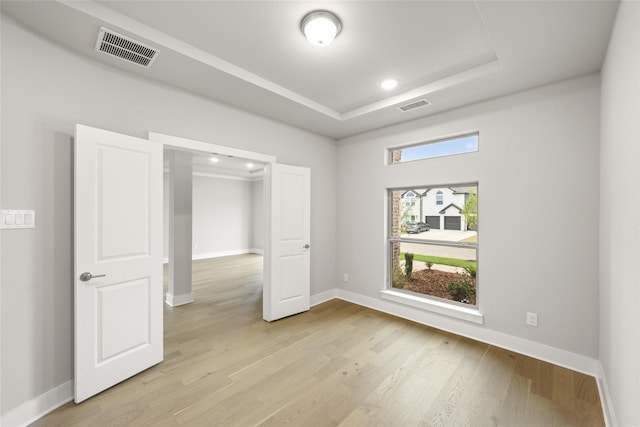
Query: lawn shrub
(463, 289)
(398, 278)
(471, 270)
(408, 264)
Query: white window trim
(424, 302)
(452, 137)
(472, 315)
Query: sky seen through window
(465, 144)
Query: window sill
(451, 310)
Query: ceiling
(219, 165)
(252, 54)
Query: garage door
(433, 221)
(452, 223)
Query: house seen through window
(433, 241)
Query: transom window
(438, 148)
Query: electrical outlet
(345, 277)
(532, 319)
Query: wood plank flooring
(339, 364)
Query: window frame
(421, 301)
(440, 140)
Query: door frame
(206, 147)
(199, 147)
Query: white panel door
(287, 258)
(118, 258)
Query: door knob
(86, 276)
(307, 246)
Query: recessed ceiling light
(250, 165)
(214, 160)
(320, 27)
(389, 84)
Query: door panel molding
(117, 240)
(287, 257)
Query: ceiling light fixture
(389, 84)
(250, 165)
(320, 27)
(214, 160)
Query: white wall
(223, 216)
(45, 92)
(538, 157)
(620, 217)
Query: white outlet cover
(532, 319)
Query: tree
(470, 210)
(407, 207)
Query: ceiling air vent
(125, 48)
(413, 105)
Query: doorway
(118, 182)
(287, 190)
(222, 216)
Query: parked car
(417, 227)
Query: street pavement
(448, 235)
(440, 250)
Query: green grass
(454, 262)
(472, 239)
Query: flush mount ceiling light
(320, 27)
(214, 160)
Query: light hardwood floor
(338, 364)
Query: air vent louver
(123, 47)
(413, 105)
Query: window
(436, 263)
(427, 150)
(409, 198)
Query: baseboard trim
(567, 359)
(38, 407)
(605, 398)
(219, 254)
(323, 297)
(176, 300)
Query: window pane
(428, 150)
(436, 270)
(438, 209)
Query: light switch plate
(16, 218)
